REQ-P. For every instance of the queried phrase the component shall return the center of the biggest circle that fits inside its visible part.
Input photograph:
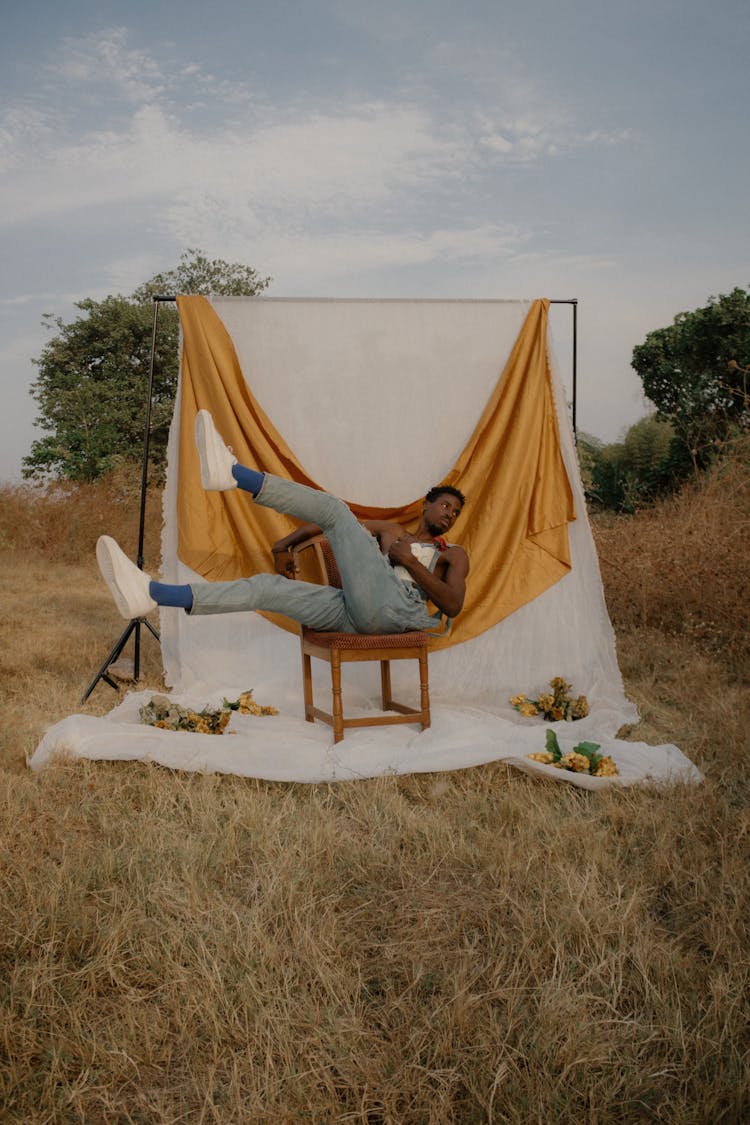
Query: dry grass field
(479, 946)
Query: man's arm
(282, 558)
(294, 538)
(281, 550)
(447, 592)
(300, 534)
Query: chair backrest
(319, 550)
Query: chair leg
(307, 687)
(385, 684)
(424, 689)
(337, 708)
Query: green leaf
(587, 748)
(553, 746)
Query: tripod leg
(137, 653)
(137, 646)
(154, 632)
(117, 648)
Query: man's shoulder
(382, 525)
(455, 553)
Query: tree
(697, 373)
(198, 274)
(93, 373)
(627, 474)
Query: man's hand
(284, 564)
(283, 560)
(446, 586)
(400, 551)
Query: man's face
(442, 513)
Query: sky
(583, 149)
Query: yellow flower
(580, 707)
(578, 763)
(556, 705)
(606, 768)
(247, 705)
(542, 756)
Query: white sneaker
(216, 460)
(127, 584)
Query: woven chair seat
(367, 640)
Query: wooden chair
(344, 648)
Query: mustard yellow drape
(514, 526)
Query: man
(388, 574)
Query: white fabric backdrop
(377, 399)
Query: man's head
(442, 506)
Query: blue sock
(164, 594)
(249, 480)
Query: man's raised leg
(135, 594)
(355, 549)
(373, 595)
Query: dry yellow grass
(683, 566)
(477, 946)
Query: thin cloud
(23, 128)
(104, 58)
(331, 164)
(18, 300)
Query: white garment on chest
(426, 553)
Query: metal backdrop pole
(574, 302)
(134, 626)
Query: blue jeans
(372, 598)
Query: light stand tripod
(134, 626)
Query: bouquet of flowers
(246, 705)
(161, 712)
(583, 758)
(553, 706)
